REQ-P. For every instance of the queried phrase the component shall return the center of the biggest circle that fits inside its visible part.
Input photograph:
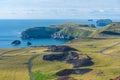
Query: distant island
(103, 22)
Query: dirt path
(102, 51)
(29, 63)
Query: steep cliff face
(71, 33)
(39, 32)
(61, 31)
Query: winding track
(29, 63)
(102, 51)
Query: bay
(10, 30)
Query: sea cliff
(61, 31)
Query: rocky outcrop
(59, 35)
(29, 43)
(67, 72)
(71, 58)
(16, 42)
(78, 60)
(103, 22)
(57, 57)
(55, 48)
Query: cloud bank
(59, 9)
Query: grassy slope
(12, 64)
(13, 67)
(114, 27)
(81, 30)
(109, 65)
(78, 31)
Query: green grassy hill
(107, 64)
(109, 31)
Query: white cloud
(58, 8)
(42, 12)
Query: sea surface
(10, 30)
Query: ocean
(10, 30)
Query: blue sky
(59, 9)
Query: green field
(14, 62)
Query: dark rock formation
(66, 78)
(55, 48)
(16, 42)
(103, 22)
(67, 72)
(78, 60)
(70, 57)
(110, 33)
(57, 57)
(29, 43)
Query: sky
(59, 9)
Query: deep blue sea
(10, 30)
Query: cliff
(71, 33)
(39, 32)
(61, 31)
